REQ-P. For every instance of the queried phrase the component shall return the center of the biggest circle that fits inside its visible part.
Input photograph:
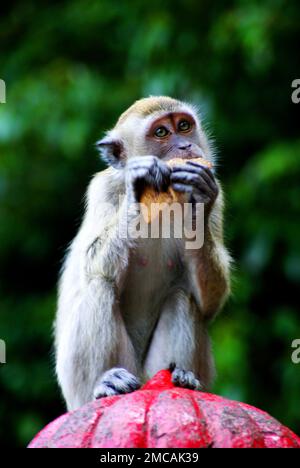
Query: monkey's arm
(108, 253)
(107, 243)
(211, 264)
(90, 335)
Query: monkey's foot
(184, 379)
(116, 381)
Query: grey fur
(115, 310)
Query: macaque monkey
(129, 307)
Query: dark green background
(71, 67)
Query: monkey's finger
(156, 180)
(208, 171)
(186, 177)
(156, 172)
(161, 165)
(140, 166)
(178, 376)
(181, 187)
(161, 176)
(196, 180)
(185, 379)
(103, 390)
(164, 168)
(116, 381)
(200, 196)
(198, 169)
(139, 173)
(192, 382)
(136, 165)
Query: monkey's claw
(116, 381)
(185, 379)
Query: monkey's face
(172, 135)
(163, 132)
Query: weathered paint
(161, 415)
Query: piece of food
(151, 196)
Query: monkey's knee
(116, 381)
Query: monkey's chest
(154, 268)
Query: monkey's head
(160, 126)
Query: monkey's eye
(184, 126)
(161, 132)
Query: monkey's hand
(116, 381)
(198, 181)
(145, 171)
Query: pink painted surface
(161, 415)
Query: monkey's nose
(185, 147)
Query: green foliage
(71, 68)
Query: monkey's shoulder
(106, 186)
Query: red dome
(161, 415)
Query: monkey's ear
(112, 152)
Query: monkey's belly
(153, 271)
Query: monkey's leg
(181, 338)
(91, 339)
